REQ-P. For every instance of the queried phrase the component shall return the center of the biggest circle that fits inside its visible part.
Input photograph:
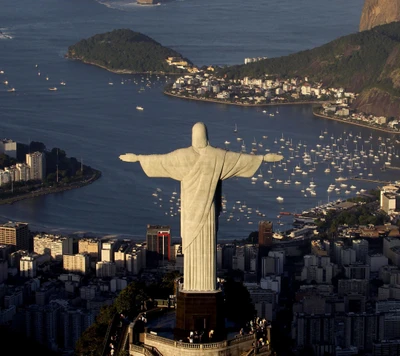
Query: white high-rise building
(8, 147)
(23, 172)
(107, 250)
(79, 263)
(5, 177)
(27, 266)
(388, 198)
(54, 245)
(37, 164)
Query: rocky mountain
(366, 63)
(379, 12)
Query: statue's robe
(199, 171)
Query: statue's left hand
(273, 157)
(129, 157)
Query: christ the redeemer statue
(200, 168)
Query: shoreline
(350, 122)
(357, 124)
(244, 105)
(121, 71)
(52, 190)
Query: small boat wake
(127, 5)
(5, 34)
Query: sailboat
(235, 130)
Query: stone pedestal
(201, 312)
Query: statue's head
(199, 135)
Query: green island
(62, 173)
(127, 52)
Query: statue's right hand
(129, 157)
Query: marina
(103, 121)
(353, 161)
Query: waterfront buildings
(54, 245)
(8, 147)
(37, 164)
(16, 234)
(78, 263)
(346, 289)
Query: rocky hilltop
(379, 12)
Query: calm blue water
(96, 122)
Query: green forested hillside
(355, 61)
(366, 62)
(124, 50)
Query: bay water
(95, 121)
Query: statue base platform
(201, 312)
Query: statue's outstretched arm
(272, 157)
(129, 157)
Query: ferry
(139, 108)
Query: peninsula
(58, 172)
(366, 63)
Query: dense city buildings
(34, 167)
(37, 164)
(158, 240)
(15, 234)
(330, 294)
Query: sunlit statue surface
(200, 168)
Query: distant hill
(366, 62)
(125, 51)
(379, 12)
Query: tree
(37, 146)
(129, 300)
(6, 161)
(236, 294)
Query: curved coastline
(243, 104)
(351, 122)
(120, 71)
(357, 124)
(44, 191)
